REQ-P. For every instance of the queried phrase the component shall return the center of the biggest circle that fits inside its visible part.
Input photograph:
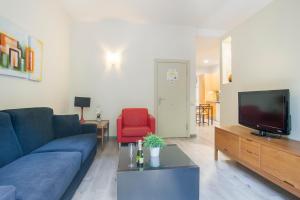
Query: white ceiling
(221, 15)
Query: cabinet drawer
(227, 143)
(250, 152)
(282, 165)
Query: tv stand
(274, 159)
(265, 134)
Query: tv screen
(266, 111)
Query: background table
(103, 127)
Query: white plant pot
(154, 152)
(154, 161)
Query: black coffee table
(176, 177)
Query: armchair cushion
(139, 131)
(135, 117)
(66, 125)
(7, 192)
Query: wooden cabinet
(281, 165)
(227, 143)
(278, 160)
(250, 152)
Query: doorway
(172, 98)
(208, 81)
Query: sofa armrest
(66, 125)
(119, 128)
(151, 123)
(7, 192)
(88, 128)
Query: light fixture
(113, 58)
(205, 61)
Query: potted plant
(154, 143)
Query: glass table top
(170, 157)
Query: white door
(172, 98)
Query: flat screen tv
(265, 111)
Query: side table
(103, 127)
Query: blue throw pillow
(66, 125)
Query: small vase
(154, 152)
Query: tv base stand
(277, 160)
(265, 134)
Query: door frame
(187, 62)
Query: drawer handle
(249, 152)
(249, 140)
(225, 149)
(289, 183)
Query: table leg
(212, 115)
(216, 153)
(102, 138)
(208, 117)
(108, 132)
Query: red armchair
(134, 124)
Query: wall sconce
(113, 59)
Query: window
(226, 61)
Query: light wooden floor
(222, 180)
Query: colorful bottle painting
(20, 53)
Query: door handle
(160, 99)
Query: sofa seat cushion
(41, 176)
(136, 131)
(83, 143)
(8, 192)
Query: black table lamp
(82, 102)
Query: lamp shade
(82, 102)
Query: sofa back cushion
(135, 116)
(66, 125)
(10, 148)
(33, 127)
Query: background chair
(205, 112)
(134, 124)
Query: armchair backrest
(135, 116)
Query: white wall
(265, 55)
(132, 85)
(48, 22)
(208, 48)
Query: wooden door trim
(188, 76)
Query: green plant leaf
(153, 141)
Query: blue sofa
(43, 156)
